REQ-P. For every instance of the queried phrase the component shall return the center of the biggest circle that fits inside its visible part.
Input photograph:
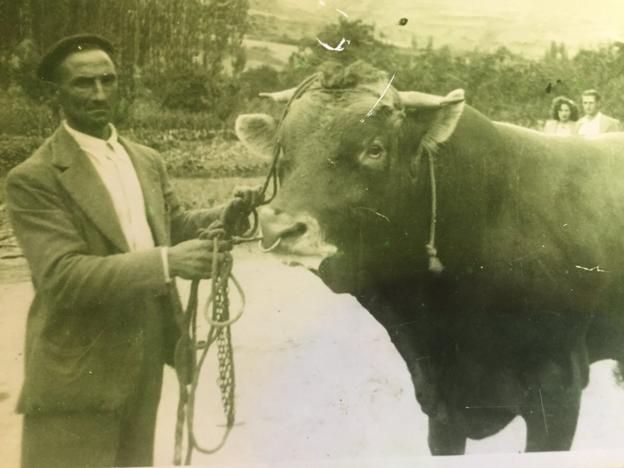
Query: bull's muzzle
(292, 235)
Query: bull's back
(559, 233)
(581, 187)
(568, 190)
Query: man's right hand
(193, 259)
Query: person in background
(105, 237)
(564, 114)
(595, 122)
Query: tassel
(435, 265)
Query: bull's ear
(445, 120)
(256, 132)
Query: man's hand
(193, 259)
(236, 212)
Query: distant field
(271, 53)
(526, 27)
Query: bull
(492, 254)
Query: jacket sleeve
(185, 224)
(62, 267)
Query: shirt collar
(91, 143)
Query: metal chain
(225, 354)
(217, 311)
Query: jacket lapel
(82, 182)
(150, 181)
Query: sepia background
(318, 381)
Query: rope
(217, 315)
(435, 265)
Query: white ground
(318, 385)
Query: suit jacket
(606, 124)
(84, 333)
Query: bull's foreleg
(445, 439)
(552, 409)
(551, 420)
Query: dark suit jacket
(84, 334)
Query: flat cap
(66, 46)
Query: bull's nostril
(295, 230)
(299, 229)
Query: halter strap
(277, 147)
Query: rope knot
(435, 265)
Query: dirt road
(318, 384)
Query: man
(594, 122)
(94, 214)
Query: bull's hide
(528, 227)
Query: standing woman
(564, 113)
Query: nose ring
(273, 247)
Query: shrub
(260, 79)
(15, 149)
(23, 116)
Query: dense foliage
(503, 85)
(171, 47)
(180, 98)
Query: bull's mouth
(296, 252)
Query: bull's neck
(469, 177)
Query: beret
(66, 46)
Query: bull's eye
(375, 151)
(374, 155)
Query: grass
(215, 158)
(204, 193)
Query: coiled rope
(189, 367)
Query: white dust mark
(338, 48)
(490, 406)
(596, 268)
(342, 13)
(383, 93)
(321, 2)
(377, 213)
(543, 411)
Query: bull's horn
(280, 96)
(454, 97)
(416, 99)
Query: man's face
(87, 90)
(590, 105)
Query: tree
(151, 36)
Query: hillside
(526, 27)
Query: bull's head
(351, 156)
